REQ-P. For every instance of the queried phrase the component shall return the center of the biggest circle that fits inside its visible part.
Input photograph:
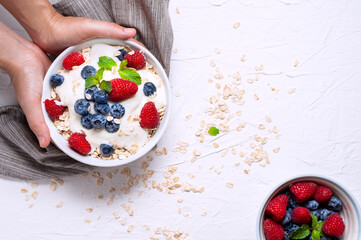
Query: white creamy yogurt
(73, 89)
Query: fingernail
(129, 30)
(41, 141)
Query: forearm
(33, 15)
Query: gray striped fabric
(20, 155)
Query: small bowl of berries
(309, 207)
(106, 101)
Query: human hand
(26, 65)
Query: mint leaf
(91, 81)
(213, 131)
(316, 235)
(106, 63)
(106, 86)
(99, 74)
(130, 75)
(314, 221)
(123, 64)
(301, 232)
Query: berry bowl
(113, 106)
(309, 195)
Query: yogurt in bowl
(106, 101)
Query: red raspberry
(135, 60)
(334, 225)
(323, 194)
(303, 190)
(54, 110)
(273, 230)
(301, 215)
(122, 89)
(73, 59)
(78, 142)
(276, 208)
(149, 116)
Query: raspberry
(73, 59)
(149, 117)
(122, 89)
(301, 215)
(54, 110)
(322, 194)
(303, 190)
(334, 225)
(135, 60)
(273, 230)
(276, 208)
(78, 142)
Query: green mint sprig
(315, 230)
(106, 86)
(93, 80)
(106, 62)
(131, 75)
(213, 131)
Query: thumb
(90, 28)
(37, 123)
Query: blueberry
(106, 149)
(117, 110)
(86, 121)
(288, 217)
(111, 126)
(317, 213)
(89, 93)
(290, 228)
(98, 121)
(149, 89)
(326, 238)
(312, 205)
(102, 108)
(334, 204)
(87, 71)
(81, 106)
(291, 201)
(101, 96)
(122, 54)
(324, 213)
(56, 79)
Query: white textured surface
(319, 125)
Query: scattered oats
(204, 214)
(100, 196)
(35, 194)
(196, 153)
(212, 63)
(278, 136)
(217, 171)
(95, 175)
(275, 129)
(75, 67)
(158, 152)
(268, 119)
(262, 165)
(60, 204)
(180, 200)
(30, 205)
(210, 80)
(177, 10)
(89, 210)
(256, 97)
(276, 150)
(261, 127)
(218, 76)
(59, 181)
(146, 227)
(53, 186)
(87, 220)
(110, 118)
(88, 96)
(250, 80)
(111, 190)
(246, 171)
(217, 50)
(116, 215)
(84, 174)
(24, 190)
(130, 228)
(189, 116)
(241, 154)
(243, 59)
(216, 145)
(123, 222)
(27, 197)
(165, 151)
(237, 164)
(175, 50)
(111, 200)
(177, 94)
(100, 181)
(34, 185)
(230, 185)
(239, 113)
(117, 121)
(295, 64)
(236, 25)
(149, 158)
(292, 90)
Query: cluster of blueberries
(320, 211)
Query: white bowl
(59, 140)
(350, 210)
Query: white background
(319, 125)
